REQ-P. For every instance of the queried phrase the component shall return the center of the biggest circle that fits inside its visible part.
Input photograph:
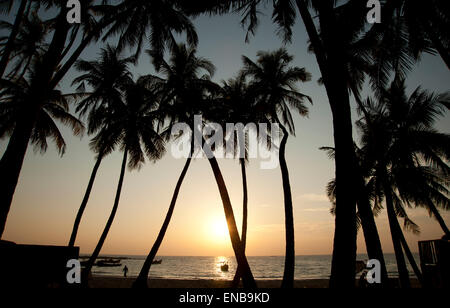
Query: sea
(265, 268)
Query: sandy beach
(121, 282)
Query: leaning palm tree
(128, 123)
(43, 80)
(186, 95)
(397, 141)
(99, 18)
(235, 104)
(107, 76)
(326, 35)
(276, 82)
(181, 89)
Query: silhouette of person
(125, 271)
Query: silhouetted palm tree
(155, 20)
(6, 5)
(331, 58)
(107, 76)
(182, 93)
(129, 123)
(41, 84)
(236, 104)
(422, 26)
(14, 96)
(161, 20)
(276, 83)
(399, 139)
(29, 44)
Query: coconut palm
(276, 82)
(331, 58)
(155, 20)
(397, 142)
(43, 70)
(422, 25)
(29, 44)
(6, 5)
(185, 95)
(235, 104)
(107, 76)
(51, 69)
(129, 124)
(182, 90)
(14, 96)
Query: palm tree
(6, 5)
(38, 93)
(156, 20)
(128, 123)
(14, 96)
(29, 44)
(423, 25)
(182, 91)
(108, 76)
(235, 104)
(276, 83)
(51, 70)
(397, 141)
(331, 58)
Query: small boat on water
(157, 261)
(224, 267)
(108, 264)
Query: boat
(224, 267)
(107, 264)
(157, 261)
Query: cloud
(316, 210)
(264, 205)
(313, 198)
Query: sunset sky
(51, 188)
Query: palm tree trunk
(395, 233)
(141, 281)
(102, 239)
(11, 164)
(410, 257)
(238, 274)
(12, 37)
(76, 224)
(370, 230)
(12, 160)
(440, 220)
(329, 58)
(289, 261)
(371, 236)
(247, 276)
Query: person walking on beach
(125, 271)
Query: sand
(121, 282)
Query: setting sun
(218, 229)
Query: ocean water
(269, 268)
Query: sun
(218, 229)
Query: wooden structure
(435, 263)
(35, 266)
